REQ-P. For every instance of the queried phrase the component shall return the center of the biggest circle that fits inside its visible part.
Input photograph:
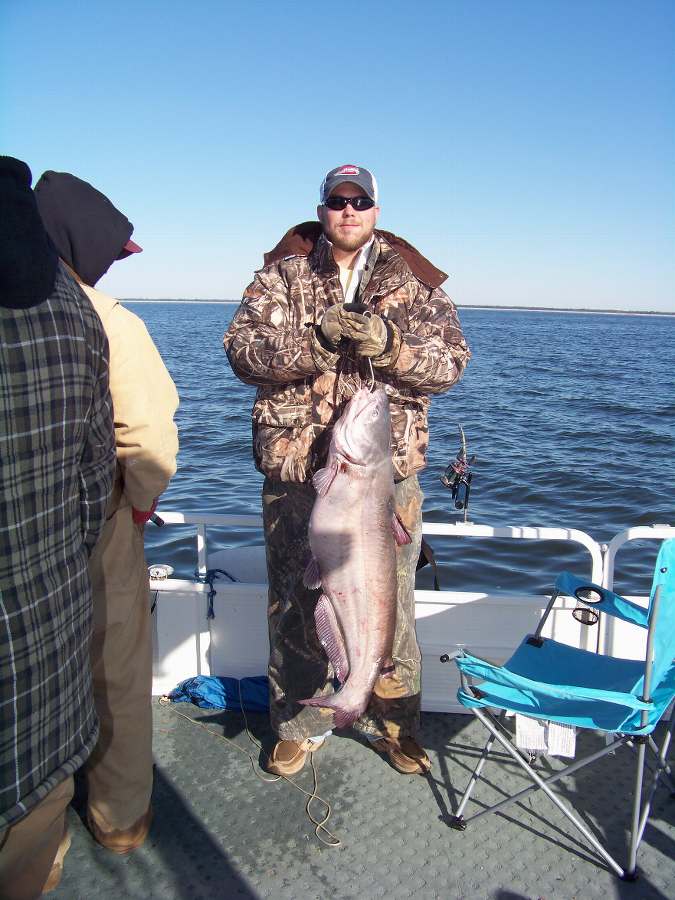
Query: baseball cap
(129, 248)
(355, 175)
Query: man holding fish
(345, 332)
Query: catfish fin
(312, 577)
(330, 636)
(401, 535)
(387, 669)
(343, 715)
(323, 479)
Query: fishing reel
(458, 476)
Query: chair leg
(662, 769)
(556, 776)
(457, 821)
(662, 753)
(590, 837)
(636, 831)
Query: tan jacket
(144, 403)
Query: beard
(348, 242)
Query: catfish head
(363, 433)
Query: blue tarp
(215, 692)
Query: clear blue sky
(525, 147)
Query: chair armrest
(479, 668)
(610, 603)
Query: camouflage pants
(298, 666)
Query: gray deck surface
(221, 832)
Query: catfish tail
(344, 713)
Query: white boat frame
(234, 642)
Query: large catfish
(353, 531)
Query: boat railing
(523, 533)
(610, 634)
(637, 533)
(194, 631)
(202, 521)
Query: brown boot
(54, 877)
(122, 840)
(289, 757)
(405, 755)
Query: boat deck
(219, 831)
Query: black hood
(87, 230)
(28, 261)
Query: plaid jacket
(274, 343)
(57, 456)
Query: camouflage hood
(274, 342)
(301, 240)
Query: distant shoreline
(582, 310)
(544, 309)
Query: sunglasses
(360, 204)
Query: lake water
(571, 416)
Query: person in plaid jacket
(57, 458)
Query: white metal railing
(602, 555)
(524, 533)
(637, 533)
(458, 529)
(602, 558)
(201, 520)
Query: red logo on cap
(348, 170)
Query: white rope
(320, 828)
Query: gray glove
(368, 333)
(331, 324)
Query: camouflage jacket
(274, 342)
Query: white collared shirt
(350, 278)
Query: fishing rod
(458, 476)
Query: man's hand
(368, 333)
(331, 324)
(141, 516)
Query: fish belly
(351, 539)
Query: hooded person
(56, 469)
(90, 234)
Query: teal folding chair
(551, 681)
